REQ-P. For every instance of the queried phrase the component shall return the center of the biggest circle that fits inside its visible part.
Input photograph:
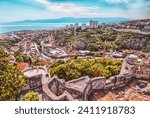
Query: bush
(31, 96)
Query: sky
(17, 10)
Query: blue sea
(36, 26)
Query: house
(132, 59)
(147, 29)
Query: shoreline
(31, 27)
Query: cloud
(117, 1)
(129, 9)
(51, 9)
(67, 9)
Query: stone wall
(36, 79)
(56, 89)
(57, 86)
(141, 69)
(100, 83)
(34, 84)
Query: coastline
(34, 27)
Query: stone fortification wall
(56, 89)
(79, 89)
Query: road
(41, 54)
(132, 30)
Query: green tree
(31, 96)
(74, 69)
(21, 58)
(11, 79)
(38, 63)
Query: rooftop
(30, 72)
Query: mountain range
(71, 20)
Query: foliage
(93, 39)
(21, 57)
(8, 43)
(38, 63)
(31, 96)
(74, 69)
(37, 41)
(11, 79)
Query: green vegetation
(38, 63)
(27, 59)
(11, 79)
(74, 69)
(93, 40)
(7, 43)
(31, 96)
(22, 57)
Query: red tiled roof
(22, 65)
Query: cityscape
(78, 61)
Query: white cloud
(72, 10)
(61, 9)
(117, 1)
(67, 9)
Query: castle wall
(57, 87)
(79, 89)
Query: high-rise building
(93, 24)
(71, 26)
(67, 26)
(83, 26)
(76, 25)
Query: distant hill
(71, 20)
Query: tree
(31, 96)
(21, 58)
(74, 69)
(37, 41)
(11, 79)
(38, 63)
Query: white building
(67, 27)
(83, 26)
(71, 26)
(93, 24)
(76, 25)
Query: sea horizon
(50, 24)
(6, 28)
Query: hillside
(92, 39)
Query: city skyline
(16, 10)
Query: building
(83, 26)
(76, 25)
(147, 29)
(93, 24)
(37, 77)
(71, 26)
(67, 26)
